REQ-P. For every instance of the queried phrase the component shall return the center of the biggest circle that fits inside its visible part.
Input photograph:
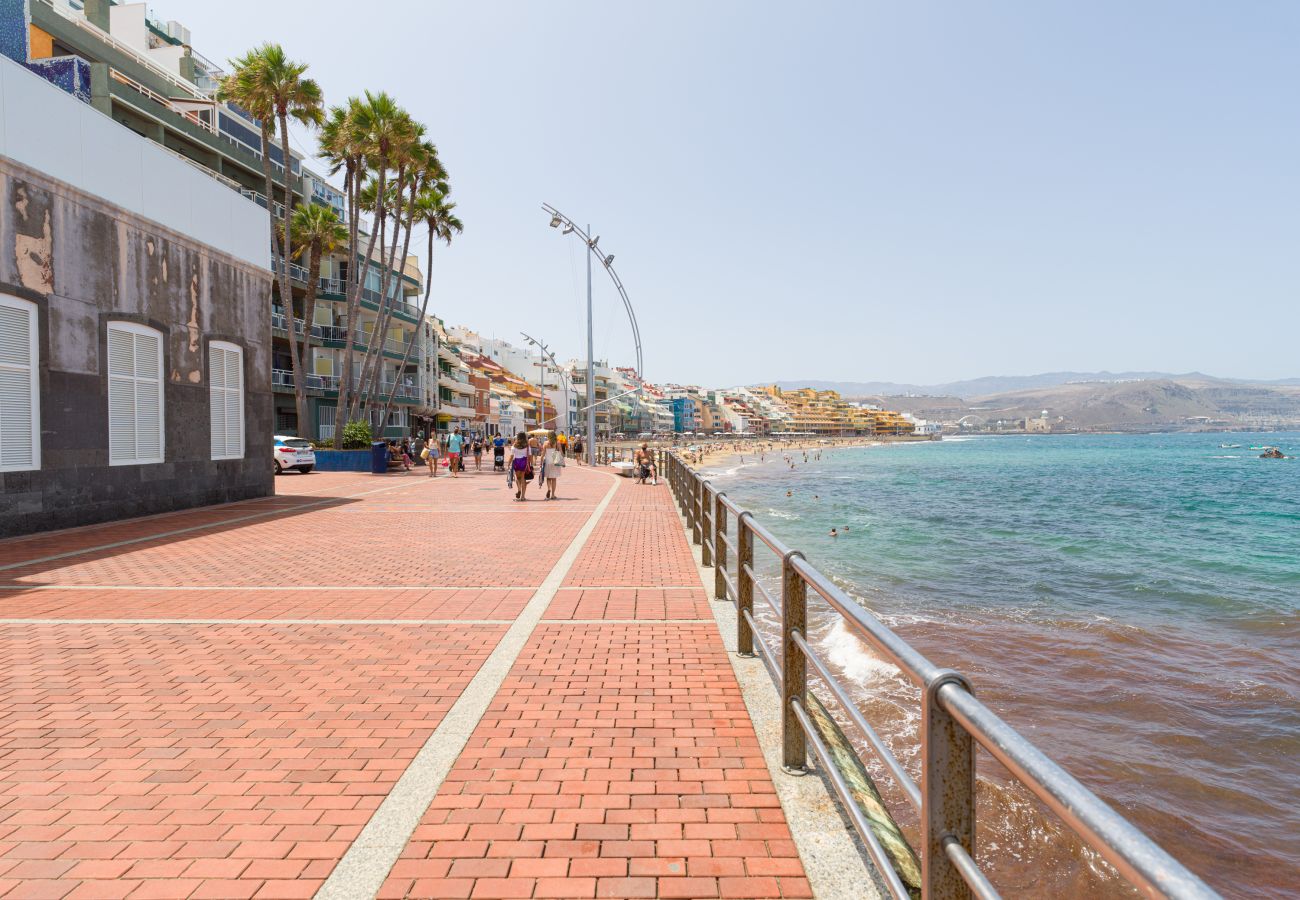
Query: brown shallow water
(1130, 604)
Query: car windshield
(297, 443)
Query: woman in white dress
(552, 466)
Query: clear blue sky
(902, 191)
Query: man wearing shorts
(454, 445)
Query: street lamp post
(570, 227)
(564, 385)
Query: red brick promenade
(512, 700)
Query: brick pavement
(213, 703)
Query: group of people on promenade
(539, 456)
(458, 449)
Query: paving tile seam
(270, 498)
(4, 622)
(370, 857)
(192, 528)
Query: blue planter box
(343, 460)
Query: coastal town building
(134, 328)
(144, 74)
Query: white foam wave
(850, 655)
(782, 514)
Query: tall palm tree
(316, 232)
(271, 87)
(432, 210)
(366, 137)
(409, 158)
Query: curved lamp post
(559, 219)
(564, 378)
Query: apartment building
(134, 328)
(143, 73)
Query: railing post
(947, 792)
(744, 584)
(794, 617)
(696, 536)
(719, 547)
(706, 524)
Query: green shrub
(324, 443)
(356, 435)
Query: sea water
(1130, 603)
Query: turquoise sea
(1131, 603)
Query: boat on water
(1271, 453)
(1230, 446)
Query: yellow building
(827, 413)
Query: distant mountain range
(991, 385)
(1090, 401)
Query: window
(20, 447)
(226, 399)
(135, 394)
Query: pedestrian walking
(478, 454)
(431, 454)
(520, 461)
(455, 444)
(554, 468)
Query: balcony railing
(283, 378)
(296, 272)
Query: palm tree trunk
(428, 286)
(391, 304)
(385, 317)
(278, 248)
(354, 297)
(351, 179)
(297, 350)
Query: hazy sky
(901, 191)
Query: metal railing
(284, 378)
(953, 721)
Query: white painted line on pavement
(367, 862)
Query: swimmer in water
(789, 494)
(833, 533)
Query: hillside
(1145, 405)
(1002, 384)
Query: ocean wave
(782, 514)
(849, 654)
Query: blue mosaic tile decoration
(15, 33)
(69, 73)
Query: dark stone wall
(84, 263)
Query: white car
(294, 453)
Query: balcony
(296, 272)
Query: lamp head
(609, 260)
(568, 229)
(555, 221)
(594, 241)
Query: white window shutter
(226, 400)
(135, 394)
(216, 407)
(19, 410)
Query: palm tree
(432, 210)
(316, 231)
(363, 137)
(409, 157)
(271, 87)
